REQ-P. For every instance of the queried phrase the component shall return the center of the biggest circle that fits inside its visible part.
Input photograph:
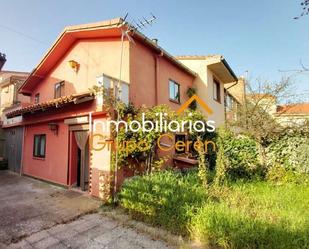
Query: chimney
(2, 60)
(155, 41)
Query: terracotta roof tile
(48, 104)
(302, 108)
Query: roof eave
(229, 68)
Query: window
(59, 90)
(39, 145)
(36, 98)
(174, 89)
(216, 86)
(229, 102)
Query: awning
(55, 103)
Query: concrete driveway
(28, 206)
(90, 231)
(35, 214)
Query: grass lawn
(254, 215)
(240, 215)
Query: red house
(56, 123)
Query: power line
(22, 34)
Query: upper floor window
(216, 90)
(59, 90)
(229, 102)
(174, 91)
(36, 98)
(39, 145)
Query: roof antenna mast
(127, 30)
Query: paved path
(90, 231)
(28, 206)
(35, 214)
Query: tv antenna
(127, 30)
(134, 25)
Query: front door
(13, 147)
(79, 172)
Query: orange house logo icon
(199, 101)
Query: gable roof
(294, 109)
(109, 28)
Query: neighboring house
(12, 131)
(10, 81)
(55, 144)
(267, 102)
(286, 115)
(214, 73)
(292, 114)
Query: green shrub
(239, 156)
(279, 174)
(164, 199)
(291, 150)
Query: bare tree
(302, 69)
(305, 9)
(258, 116)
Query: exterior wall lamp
(74, 65)
(54, 127)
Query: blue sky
(259, 36)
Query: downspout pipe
(233, 75)
(157, 69)
(236, 82)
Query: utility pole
(126, 30)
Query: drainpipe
(157, 68)
(225, 95)
(236, 82)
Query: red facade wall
(54, 167)
(55, 164)
(94, 56)
(149, 78)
